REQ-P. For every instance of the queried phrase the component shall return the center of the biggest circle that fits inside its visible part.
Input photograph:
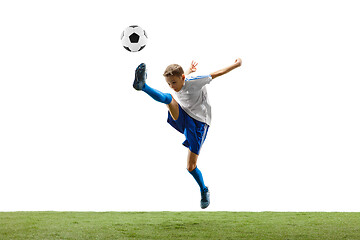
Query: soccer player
(190, 114)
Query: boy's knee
(191, 167)
(191, 161)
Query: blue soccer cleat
(205, 198)
(140, 77)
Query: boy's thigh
(195, 136)
(173, 107)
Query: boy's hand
(192, 68)
(238, 62)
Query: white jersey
(193, 98)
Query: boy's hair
(173, 70)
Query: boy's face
(175, 82)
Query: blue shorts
(195, 131)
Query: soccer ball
(134, 38)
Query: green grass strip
(179, 225)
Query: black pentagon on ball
(134, 38)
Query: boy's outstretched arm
(227, 69)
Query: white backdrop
(74, 134)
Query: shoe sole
(139, 74)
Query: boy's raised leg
(157, 95)
(140, 85)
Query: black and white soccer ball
(134, 38)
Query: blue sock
(157, 95)
(196, 173)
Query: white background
(75, 135)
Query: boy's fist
(238, 62)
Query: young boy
(191, 115)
